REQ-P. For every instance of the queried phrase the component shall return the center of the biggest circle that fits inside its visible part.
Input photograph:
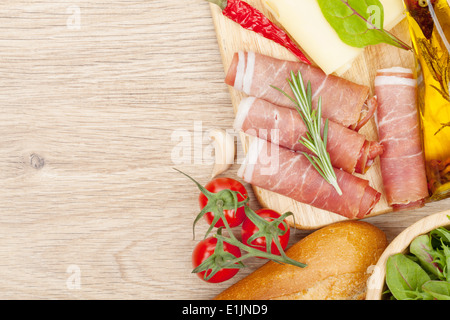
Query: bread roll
(337, 258)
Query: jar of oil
(429, 26)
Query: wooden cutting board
(232, 38)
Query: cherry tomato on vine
(219, 184)
(210, 255)
(282, 231)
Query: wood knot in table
(36, 161)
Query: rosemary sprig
(320, 158)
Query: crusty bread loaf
(337, 258)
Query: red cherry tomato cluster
(208, 254)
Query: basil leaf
(404, 277)
(359, 23)
(439, 290)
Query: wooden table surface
(100, 101)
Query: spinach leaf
(429, 257)
(405, 278)
(359, 23)
(439, 290)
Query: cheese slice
(305, 22)
(394, 13)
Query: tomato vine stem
(226, 200)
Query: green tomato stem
(252, 252)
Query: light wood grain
(86, 148)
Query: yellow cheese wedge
(305, 22)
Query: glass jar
(429, 26)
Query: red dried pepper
(252, 19)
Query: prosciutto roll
(290, 173)
(349, 150)
(343, 101)
(402, 163)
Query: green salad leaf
(441, 233)
(439, 290)
(423, 273)
(359, 23)
(405, 277)
(429, 257)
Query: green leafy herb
(359, 23)
(442, 234)
(422, 249)
(320, 158)
(439, 290)
(423, 273)
(405, 278)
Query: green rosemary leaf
(313, 140)
(325, 134)
(314, 164)
(308, 145)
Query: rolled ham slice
(349, 150)
(343, 101)
(289, 173)
(402, 162)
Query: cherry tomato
(249, 229)
(205, 249)
(219, 184)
